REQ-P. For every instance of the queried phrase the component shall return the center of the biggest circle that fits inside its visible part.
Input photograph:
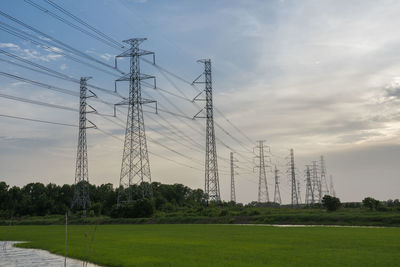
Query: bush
(371, 203)
(331, 203)
(142, 208)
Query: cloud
(63, 67)
(107, 56)
(29, 53)
(9, 45)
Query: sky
(321, 77)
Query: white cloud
(9, 45)
(63, 67)
(107, 56)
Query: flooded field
(11, 256)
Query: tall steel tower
(81, 198)
(233, 192)
(323, 178)
(211, 186)
(135, 167)
(298, 192)
(277, 193)
(332, 189)
(309, 188)
(263, 195)
(316, 182)
(292, 170)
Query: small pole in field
(66, 237)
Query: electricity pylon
(316, 182)
(298, 192)
(263, 195)
(277, 193)
(332, 189)
(324, 182)
(233, 192)
(135, 166)
(81, 198)
(309, 188)
(292, 170)
(211, 186)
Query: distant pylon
(298, 192)
(233, 192)
(81, 198)
(332, 189)
(135, 166)
(324, 182)
(316, 182)
(292, 170)
(277, 193)
(309, 188)
(211, 186)
(263, 195)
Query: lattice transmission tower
(298, 192)
(309, 188)
(277, 193)
(292, 171)
(81, 198)
(263, 195)
(323, 178)
(233, 166)
(135, 166)
(331, 189)
(211, 187)
(316, 182)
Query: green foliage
(141, 208)
(36, 199)
(331, 203)
(371, 203)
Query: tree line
(37, 199)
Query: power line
(48, 12)
(66, 46)
(35, 102)
(51, 72)
(36, 120)
(49, 48)
(43, 85)
(84, 23)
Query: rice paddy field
(215, 245)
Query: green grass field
(217, 245)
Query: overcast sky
(321, 77)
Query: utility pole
(233, 193)
(211, 187)
(309, 188)
(298, 192)
(292, 170)
(263, 195)
(324, 182)
(316, 182)
(135, 166)
(332, 189)
(81, 198)
(277, 193)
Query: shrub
(331, 203)
(371, 203)
(142, 208)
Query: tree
(371, 203)
(331, 203)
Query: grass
(218, 245)
(261, 215)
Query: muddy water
(11, 256)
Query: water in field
(11, 256)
